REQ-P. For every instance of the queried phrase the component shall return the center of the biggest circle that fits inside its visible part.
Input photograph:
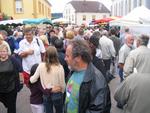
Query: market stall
(138, 16)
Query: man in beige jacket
(133, 93)
(139, 58)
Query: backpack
(33, 69)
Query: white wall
(79, 17)
(69, 13)
(115, 11)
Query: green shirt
(72, 91)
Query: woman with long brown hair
(51, 74)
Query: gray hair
(143, 39)
(97, 34)
(4, 32)
(104, 32)
(81, 48)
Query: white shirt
(107, 48)
(30, 60)
(98, 53)
(148, 45)
(123, 53)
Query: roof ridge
(89, 6)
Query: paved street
(113, 85)
(23, 105)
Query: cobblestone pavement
(23, 105)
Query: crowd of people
(69, 69)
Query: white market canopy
(17, 21)
(26, 21)
(138, 16)
(60, 20)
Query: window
(126, 9)
(147, 3)
(140, 2)
(0, 7)
(84, 17)
(69, 11)
(39, 5)
(19, 6)
(48, 11)
(72, 17)
(129, 5)
(43, 9)
(93, 17)
(122, 8)
(69, 19)
(135, 3)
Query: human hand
(56, 89)
(30, 51)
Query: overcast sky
(58, 5)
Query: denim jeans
(53, 100)
(107, 64)
(121, 74)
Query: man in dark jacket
(87, 90)
(61, 56)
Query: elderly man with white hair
(138, 59)
(123, 53)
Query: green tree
(5, 16)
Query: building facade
(20, 9)
(123, 7)
(80, 11)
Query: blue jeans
(54, 99)
(121, 74)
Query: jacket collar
(88, 73)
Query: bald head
(129, 39)
(104, 32)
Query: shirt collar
(33, 41)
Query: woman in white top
(51, 74)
